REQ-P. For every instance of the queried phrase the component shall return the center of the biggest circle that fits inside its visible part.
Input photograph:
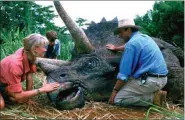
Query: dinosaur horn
(82, 44)
(47, 68)
(48, 65)
(51, 61)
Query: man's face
(124, 34)
(51, 43)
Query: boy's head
(51, 36)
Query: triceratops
(92, 71)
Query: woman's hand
(49, 87)
(32, 102)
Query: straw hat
(125, 23)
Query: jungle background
(19, 19)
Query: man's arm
(125, 71)
(117, 87)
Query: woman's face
(40, 51)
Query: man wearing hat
(142, 72)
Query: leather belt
(156, 75)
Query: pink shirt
(13, 70)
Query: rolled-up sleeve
(125, 68)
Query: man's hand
(49, 87)
(117, 87)
(115, 48)
(111, 47)
(111, 99)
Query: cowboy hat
(125, 23)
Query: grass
(65, 51)
(13, 40)
(166, 112)
(91, 110)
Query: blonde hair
(34, 40)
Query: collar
(26, 65)
(54, 46)
(133, 34)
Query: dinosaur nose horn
(82, 44)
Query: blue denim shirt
(56, 49)
(141, 55)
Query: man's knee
(120, 99)
(122, 95)
(121, 102)
(117, 99)
(126, 100)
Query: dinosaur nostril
(62, 75)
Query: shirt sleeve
(126, 64)
(33, 68)
(57, 52)
(15, 79)
(46, 46)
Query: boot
(160, 98)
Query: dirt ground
(92, 110)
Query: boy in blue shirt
(53, 48)
(143, 61)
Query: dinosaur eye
(89, 63)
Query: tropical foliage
(165, 21)
(21, 18)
